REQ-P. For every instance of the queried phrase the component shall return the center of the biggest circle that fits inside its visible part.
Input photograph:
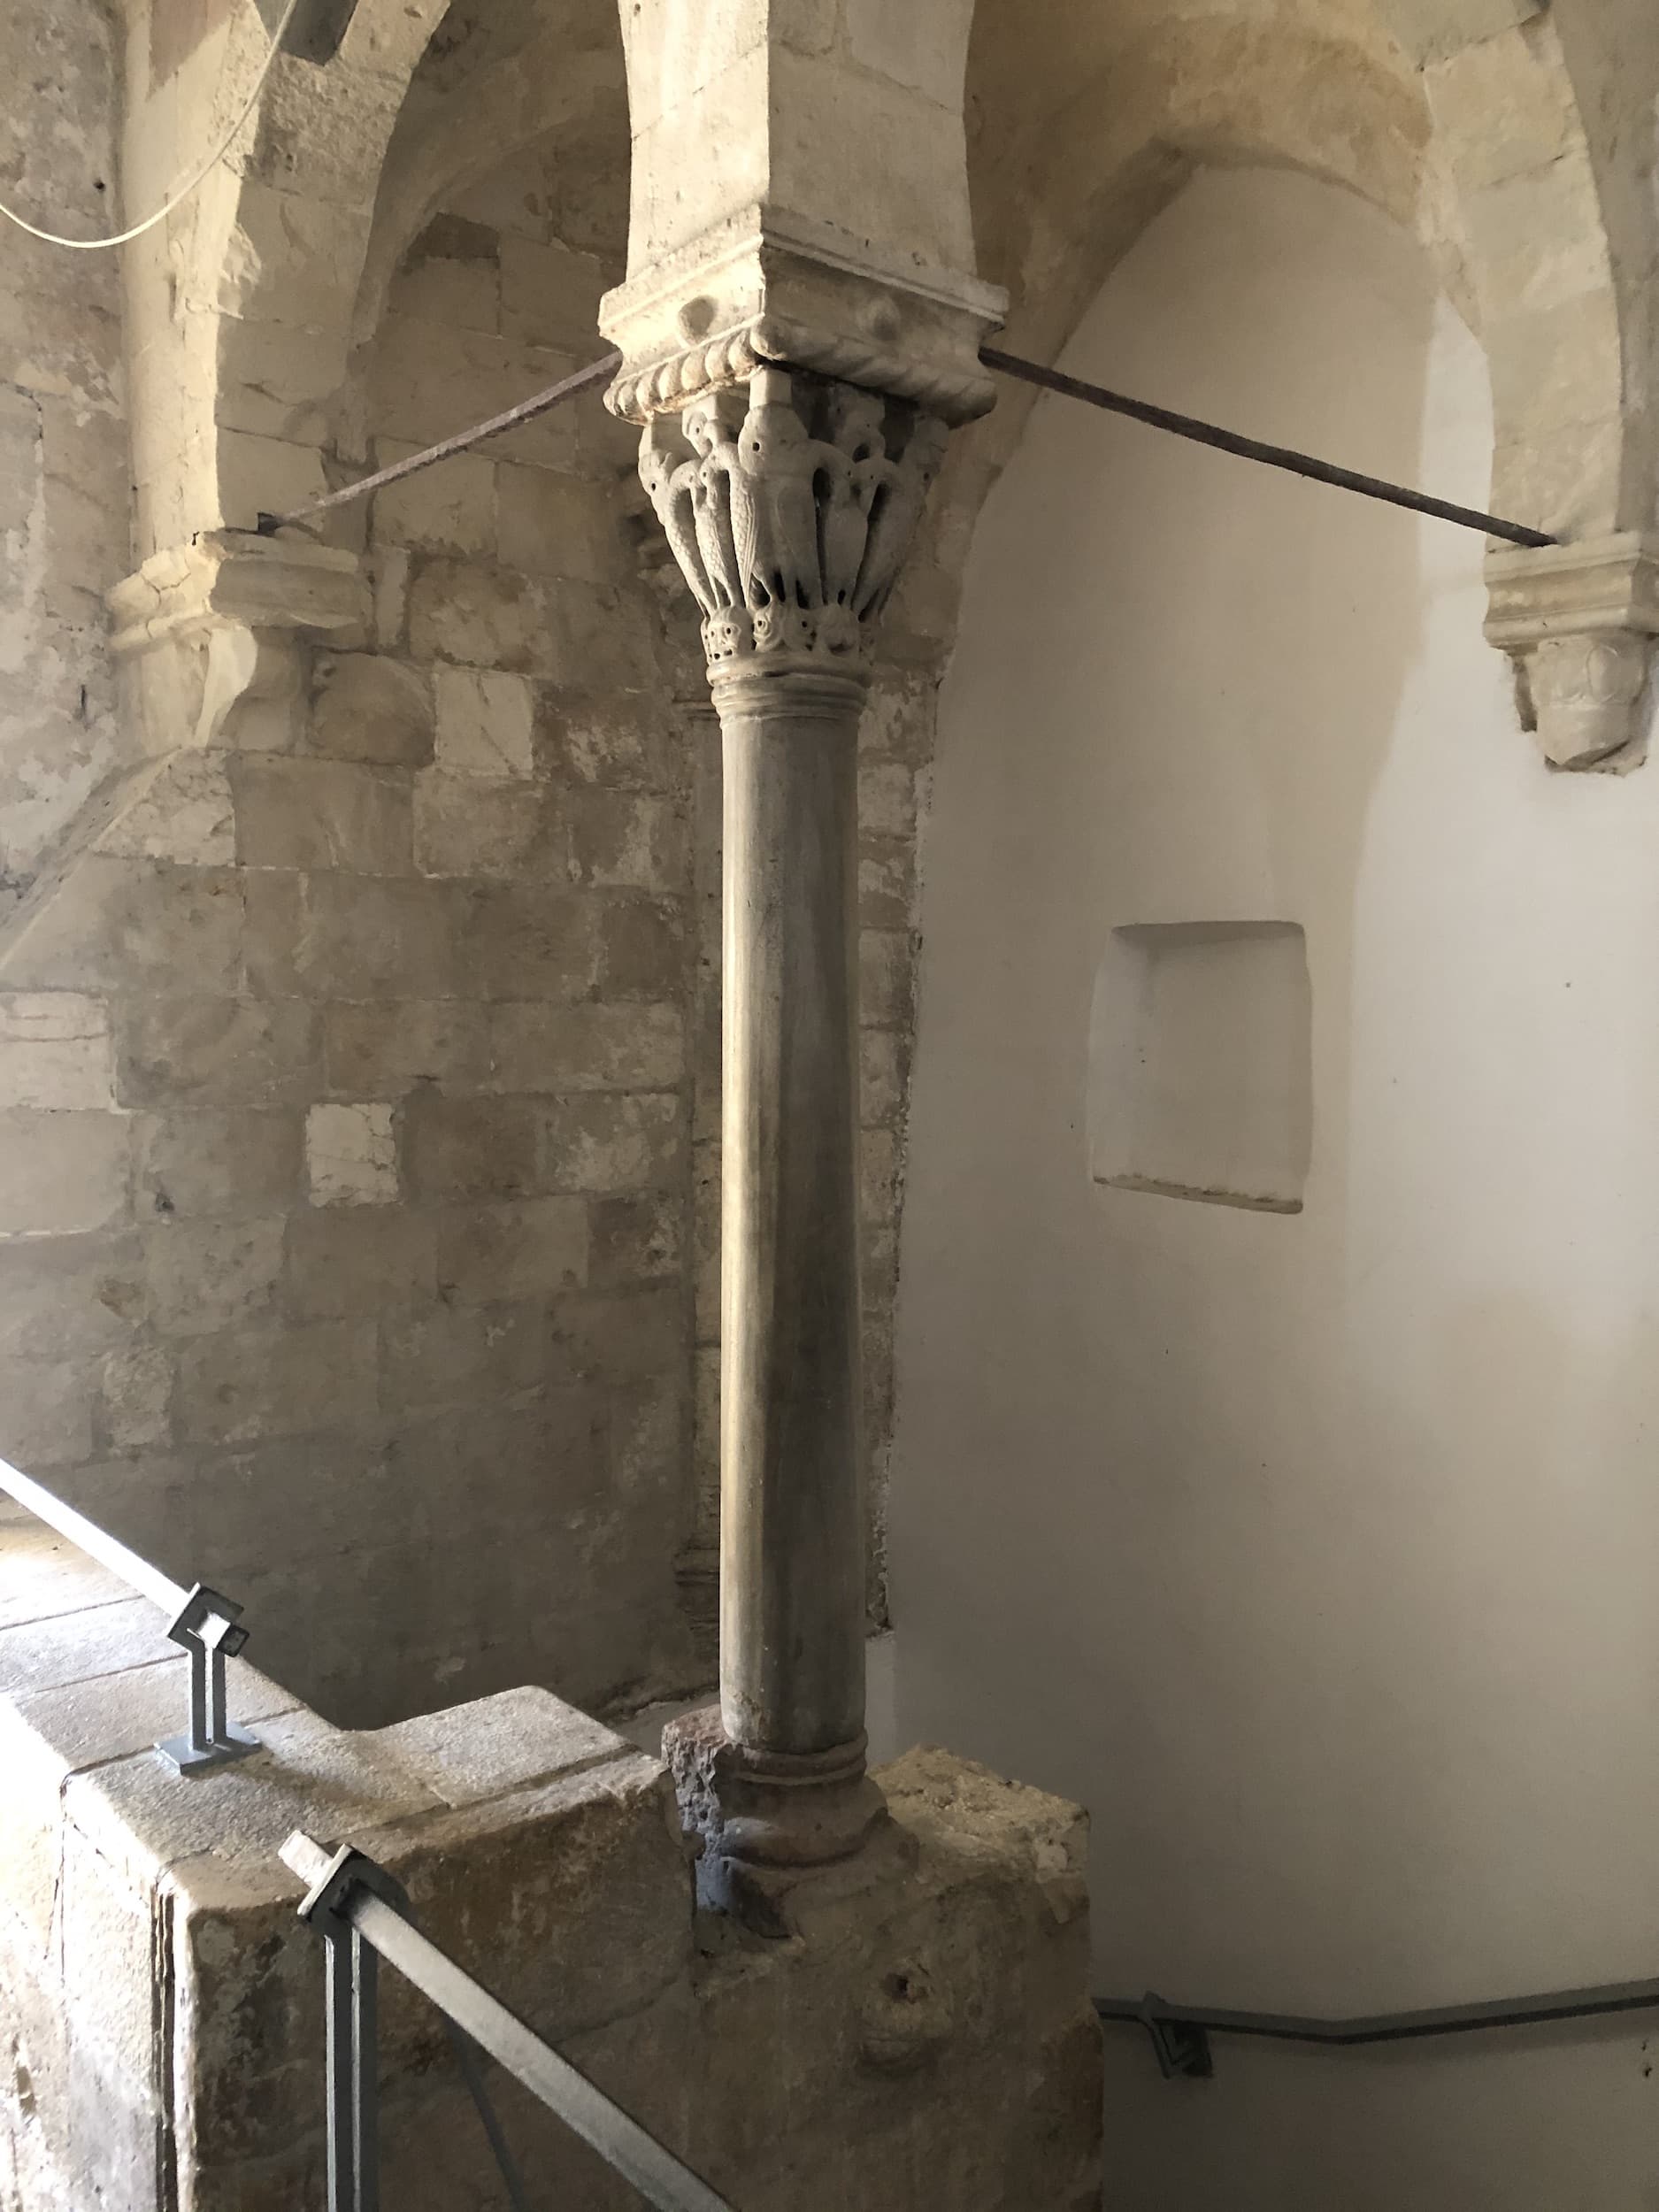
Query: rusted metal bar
(1209, 433)
(598, 372)
(1275, 457)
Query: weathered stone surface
(471, 1147)
(451, 510)
(372, 709)
(46, 1411)
(534, 1247)
(182, 1053)
(121, 925)
(513, 1742)
(321, 814)
(64, 1296)
(351, 1155)
(525, 941)
(222, 1163)
(329, 936)
(480, 616)
(349, 1261)
(56, 1051)
(635, 1239)
(630, 740)
(943, 1977)
(559, 525)
(630, 1140)
(644, 948)
(455, 1354)
(887, 978)
(134, 1408)
(200, 1275)
(182, 814)
(589, 1046)
(61, 1173)
(382, 1048)
(277, 1381)
(464, 826)
(485, 723)
(623, 840)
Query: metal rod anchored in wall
(1180, 2033)
(600, 371)
(1277, 456)
(1273, 456)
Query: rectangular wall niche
(1201, 1081)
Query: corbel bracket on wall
(1579, 622)
(212, 635)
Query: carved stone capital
(790, 510)
(770, 288)
(1579, 621)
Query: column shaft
(792, 1606)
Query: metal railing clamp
(1182, 2046)
(205, 1627)
(202, 1622)
(351, 2012)
(362, 1914)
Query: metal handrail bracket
(203, 1622)
(362, 1914)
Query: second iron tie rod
(1141, 410)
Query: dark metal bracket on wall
(1180, 2033)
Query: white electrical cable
(121, 238)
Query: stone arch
(239, 308)
(246, 309)
(1464, 124)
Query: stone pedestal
(925, 2040)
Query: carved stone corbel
(1579, 622)
(211, 637)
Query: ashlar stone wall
(360, 1046)
(348, 1185)
(63, 484)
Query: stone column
(789, 500)
(800, 323)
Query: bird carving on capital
(775, 501)
(669, 481)
(711, 431)
(896, 510)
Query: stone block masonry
(923, 2037)
(345, 1094)
(359, 1062)
(64, 478)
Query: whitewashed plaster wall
(1317, 1554)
